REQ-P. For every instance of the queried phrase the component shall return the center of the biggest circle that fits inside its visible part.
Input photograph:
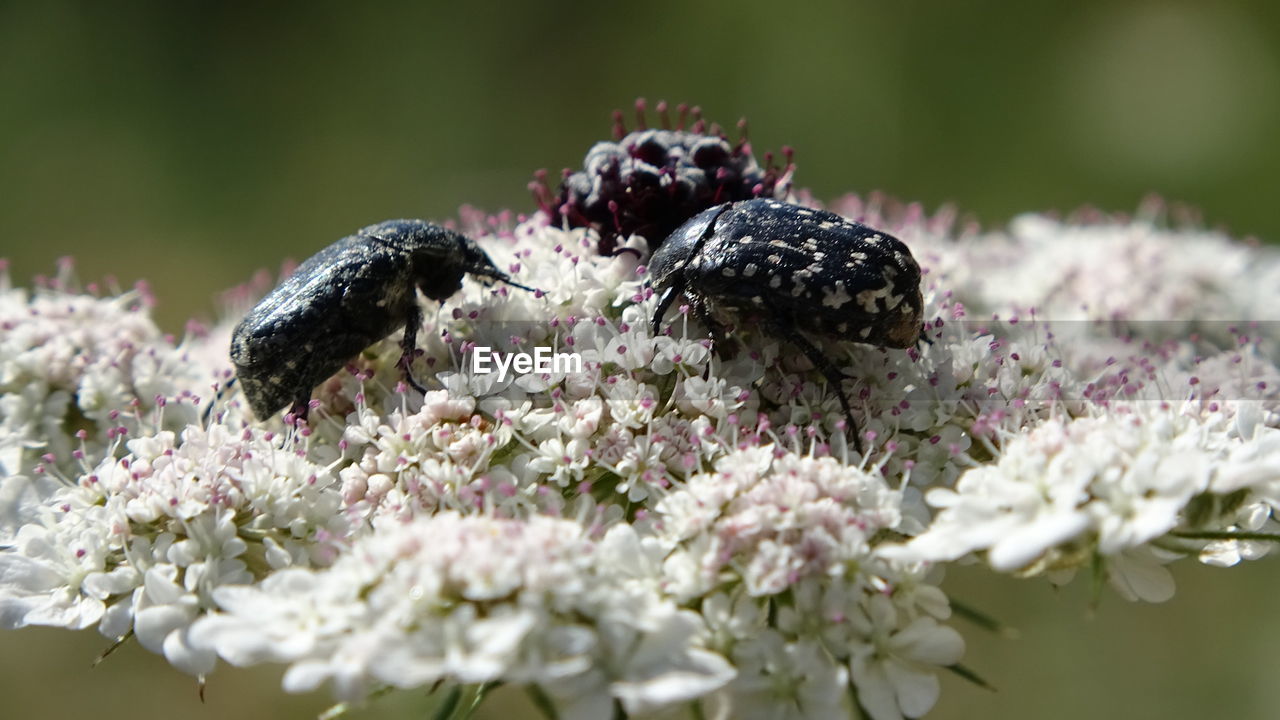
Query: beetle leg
(298, 411)
(714, 328)
(664, 302)
(719, 345)
(217, 396)
(409, 346)
(828, 369)
(719, 337)
(619, 251)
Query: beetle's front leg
(299, 410)
(720, 343)
(664, 302)
(409, 346)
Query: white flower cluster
(671, 527)
(1108, 486)
(78, 372)
(477, 599)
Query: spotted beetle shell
(815, 269)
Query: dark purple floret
(650, 181)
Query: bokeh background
(191, 144)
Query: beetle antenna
(526, 288)
(497, 274)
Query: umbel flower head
(666, 526)
(649, 181)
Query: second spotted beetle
(796, 270)
(343, 299)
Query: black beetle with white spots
(344, 298)
(796, 270)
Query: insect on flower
(343, 299)
(794, 270)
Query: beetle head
(438, 280)
(675, 252)
(439, 276)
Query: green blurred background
(193, 143)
